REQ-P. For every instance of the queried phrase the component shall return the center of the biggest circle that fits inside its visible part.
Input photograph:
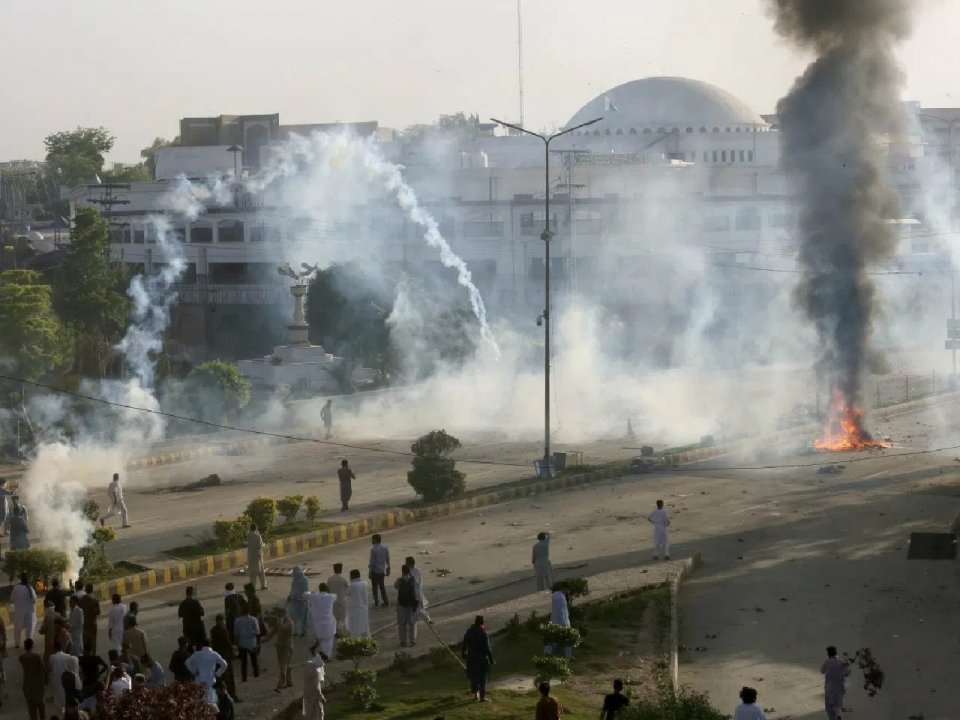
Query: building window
(738, 129)
(633, 131)
(483, 229)
(723, 156)
(201, 233)
(596, 132)
(619, 132)
(741, 155)
(703, 129)
(139, 235)
(716, 223)
(749, 155)
(646, 131)
(258, 232)
(178, 234)
(714, 155)
(716, 129)
(748, 219)
(728, 129)
(705, 156)
(230, 231)
(607, 131)
(689, 129)
(661, 130)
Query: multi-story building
(676, 166)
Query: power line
(252, 431)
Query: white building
(674, 163)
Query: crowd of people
(68, 676)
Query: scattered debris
(872, 673)
(441, 572)
(833, 469)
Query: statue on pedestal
(299, 328)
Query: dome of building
(666, 104)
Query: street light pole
(546, 236)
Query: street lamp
(546, 237)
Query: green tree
(434, 475)
(149, 154)
(90, 292)
(128, 174)
(78, 154)
(32, 337)
(348, 315)
(217, 389)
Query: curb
(687, 567)
(195, 453)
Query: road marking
(876, 475)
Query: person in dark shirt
(58, 597)
(232, 602)
(191, 612)
(225, 709)
(614, 702)
(92, 668)
(346, 476)
(178, 661)
(130, 619)
(220, 643)
(479, 657)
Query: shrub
(551, 667)
(312, 507)
(402, 662)
(231, 533)
(290, 506)
(263, 512)
(173, 702)
(573, 587)
(38, 563)
(356, 649)
(217, 389)
(96, 567)
(434, 475)
(90, 509)
(559, 635)
(533, 622)
(513, 626)
(667, 705)
(360, 682)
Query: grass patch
(621, 639)
(211, 546)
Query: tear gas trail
(830, 128)
(61, 471)
(309, 174)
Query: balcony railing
(220, 294)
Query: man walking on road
(326, 415)
(541, 561)
(834, 671)
(347, 476)
(358, 614)
(338, 585)
(379, 568)
(322, 621)
(34, 681)
(661, 543)
(255, 557)
(117, 505)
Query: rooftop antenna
(520, 55)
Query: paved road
(794, 560)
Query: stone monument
(298, 362)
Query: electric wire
(252, 431)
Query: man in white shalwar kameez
(340, 587)
(115, 622)
(313, 677)
(324, 624)
(255, 557)
(61, 662)
(24, 599)
(117, 505)
(541, 561)
(661, 542)
(358, 606)
(207, 665)
(835, 672)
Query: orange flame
(844, 429)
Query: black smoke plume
(832, 124)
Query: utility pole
(544, 319)
(108, 199)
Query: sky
(136, 67)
